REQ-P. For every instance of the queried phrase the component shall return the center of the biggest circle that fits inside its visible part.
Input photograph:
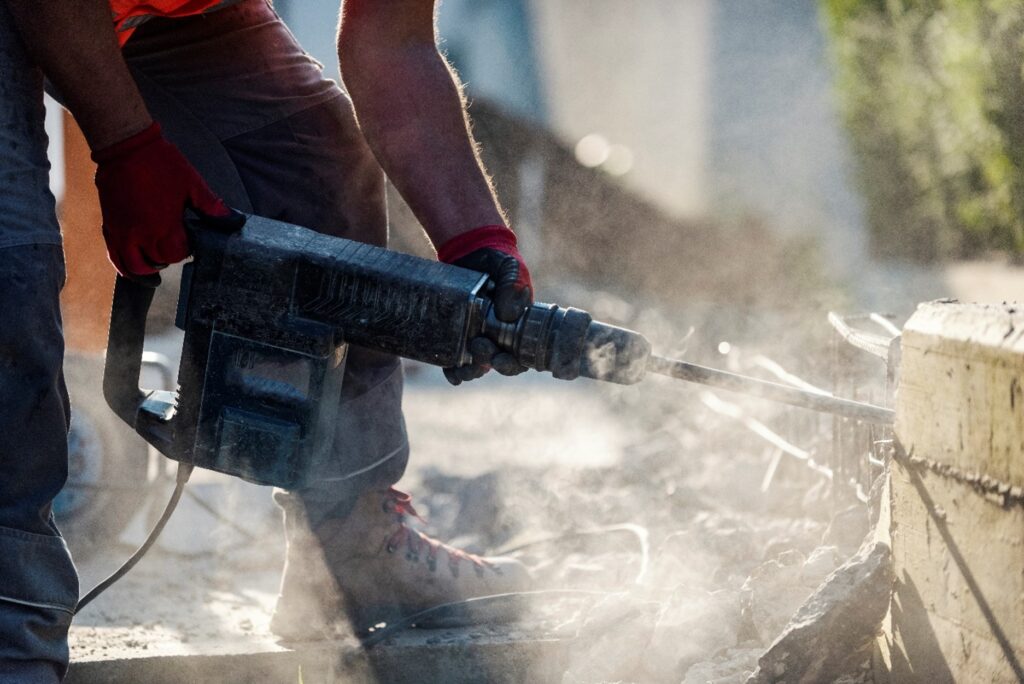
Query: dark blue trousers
(38, 584)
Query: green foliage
(932, 92)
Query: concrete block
(961, 389)
(957, 520)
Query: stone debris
(613, 639)
(694, 624)
(733, 667)
(819, 565)
(714, 548)
(772, 593)
(778, 587)
(848, 528)
(831, 635)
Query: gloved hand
(144, 185)
(491, 250)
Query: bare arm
(74, 44)
(412, 114)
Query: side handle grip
(147, 411)
(125, 346)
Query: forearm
(412, 114)
(74, 44)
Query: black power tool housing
(268, 312)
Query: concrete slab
(957, 517)
(958, 608)
(961, 391)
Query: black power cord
(181, 479)
(639, 532)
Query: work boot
(383, 569)
(309, 606)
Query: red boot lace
(400, 504)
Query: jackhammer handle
(123, 364)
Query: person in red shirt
(211, 105)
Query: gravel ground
(499, 463)
(504, 462)
(210, 588)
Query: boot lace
(399, 503)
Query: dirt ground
(208, 588)
(500, 463)
(698, 570)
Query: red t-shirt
(128, 14)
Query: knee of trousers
(38, 596)
(371, 446)
(39, 590)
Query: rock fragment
(831, 634)
(772, 593)
(612, 640)
(732, 667)
(694, 624)
(819, 565)
(848, 528)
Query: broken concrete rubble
(771, 594)
(612, 640)
(819, 565)
(732, 667)
(831, 635)
(848, 527)
(694, 624)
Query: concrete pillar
(957, 499)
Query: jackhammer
(268, 311)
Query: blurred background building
(710, 108)
(701, 129)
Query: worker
(208, 104)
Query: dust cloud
(668, 543)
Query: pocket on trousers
(36, 570)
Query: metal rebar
(872, 343)
(761, 430)
(815, 401)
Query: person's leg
(255, 116)
(273, 137)
(38, 584)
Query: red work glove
(491, 250)
(144, 185)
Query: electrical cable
(202, 503)
(184, 472)
(638, 531)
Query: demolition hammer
(269, 309)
